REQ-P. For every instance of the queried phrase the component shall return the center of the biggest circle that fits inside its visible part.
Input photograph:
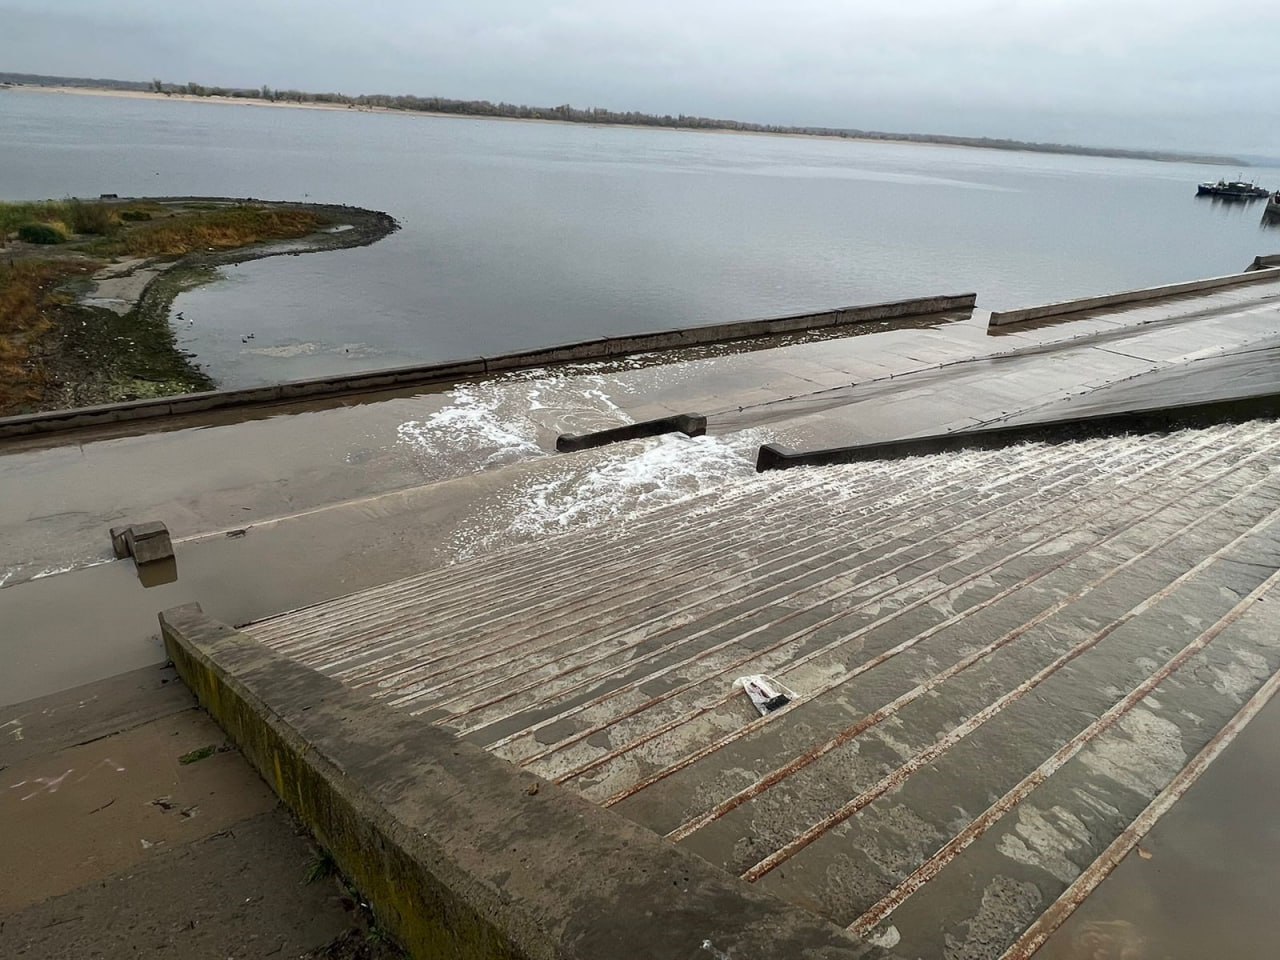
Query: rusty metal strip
(518, 558)
(676, 691)
(1034, 936)
(959, 732)
(510, 586)
(558, 629)
(534, 684)
(723, 623)
(815, 753)
(745, 730)
(989, 817)
(855, 521)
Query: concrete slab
(322, 500)
(114, 848)
(230, 894)
(61, 500)
(1199, 883)
(90, 811)
(459, 853)
(952, 624)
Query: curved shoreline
(114, 343)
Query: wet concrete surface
(278, 512)
(1203, 882)
(114, 847)
(1103, 607)
(900, 382)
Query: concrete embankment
(1256, 273)
(603, 348)
(461, 854)
(774, 456)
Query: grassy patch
(195, 756)
(65, 216)
(43, 233)
(223, 229)
(321, 866)
(58, 352)
(29, 298)
(88, 217)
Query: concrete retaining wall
(772, 456)
(603, 348)
(1066, 307)
(461, 854)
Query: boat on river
(1232, 189)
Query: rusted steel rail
(1034, 936)
(989, 817)
(958, 733)
(781, 773)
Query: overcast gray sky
(1186, 74)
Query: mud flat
(84, 316)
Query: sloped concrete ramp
(1007, 664)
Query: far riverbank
(926, 140)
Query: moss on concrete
(457, 857)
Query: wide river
(524, 234)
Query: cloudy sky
(1185, 74)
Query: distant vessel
(1232, 189)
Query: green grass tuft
(88, 217)
(202, 753)
(320, 867)
(46, 233)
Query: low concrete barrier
(690, 424)
(1264, 262)
(1067, 307)
(772, 456)
(603, 348)
(461, 854)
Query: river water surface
(524, 234)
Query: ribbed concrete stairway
(1003, 660)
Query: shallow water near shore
(523, 234)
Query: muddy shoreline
(113, 340)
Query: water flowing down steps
(1004, 660)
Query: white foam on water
(614, 483)
(672, 469)
(507, 420)
(15, 575)
(52, 571)
(471, 424)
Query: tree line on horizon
(599, 115)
